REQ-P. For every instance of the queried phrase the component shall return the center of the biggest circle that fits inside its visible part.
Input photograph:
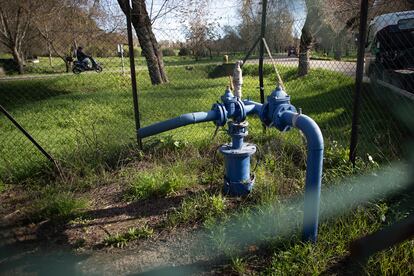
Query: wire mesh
(81, 117)
(89, 116)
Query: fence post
(133, 76)
(250, 51)
(358, 80)
(27, 134)
(261, 50)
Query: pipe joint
(277, 118)
(221, 114)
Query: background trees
(200, 30)
(54, 28)
(16, 18)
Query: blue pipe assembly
(277, 112)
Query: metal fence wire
(89, 117)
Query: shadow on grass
(17, 94)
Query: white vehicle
(389, 52)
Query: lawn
(112, 64)
(93, 112)
(173, 184)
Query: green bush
(168, 52)
(137, 51)
(184, 51)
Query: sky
(223, 12)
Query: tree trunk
(338, 48)
(339, 41)
(50, 55)
(305, 46)
(150, 48)
(67, 65)
(18, 59)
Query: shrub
(184, 51)
(168, 52)
(202, 52)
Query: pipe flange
(241, 116)
(222, 112)
(238, 188)
(264, 113)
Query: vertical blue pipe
(314, 166)
(236, 142)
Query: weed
(81, 220)
(121, 240)
(167, 142)
(52, 204)
(238, 265)
(160, 181)
(199, 208)
(2, 186)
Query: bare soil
(79, 243)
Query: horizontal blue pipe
(252, 107)
(314, 166)
(183, 120)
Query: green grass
(238, 265)
(112, 64)
(87, 122)
(159, 182)
(297, 258)
(200, 208)
(121, 240)
(55, 204)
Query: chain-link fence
(89, 116)
(73, 98)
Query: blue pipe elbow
(183, 120)
(314, 164)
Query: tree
(342, 16)
(249, 27)
(67, 24)
(201, 33)
(150, 48)
(16, 18)
(279, 27)
(310, 29)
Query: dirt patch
(107, 215)
(28, 242)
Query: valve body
(237, 180)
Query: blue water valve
(237, 180)
(277, 103)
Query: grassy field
(113, 64)
(87, 123)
